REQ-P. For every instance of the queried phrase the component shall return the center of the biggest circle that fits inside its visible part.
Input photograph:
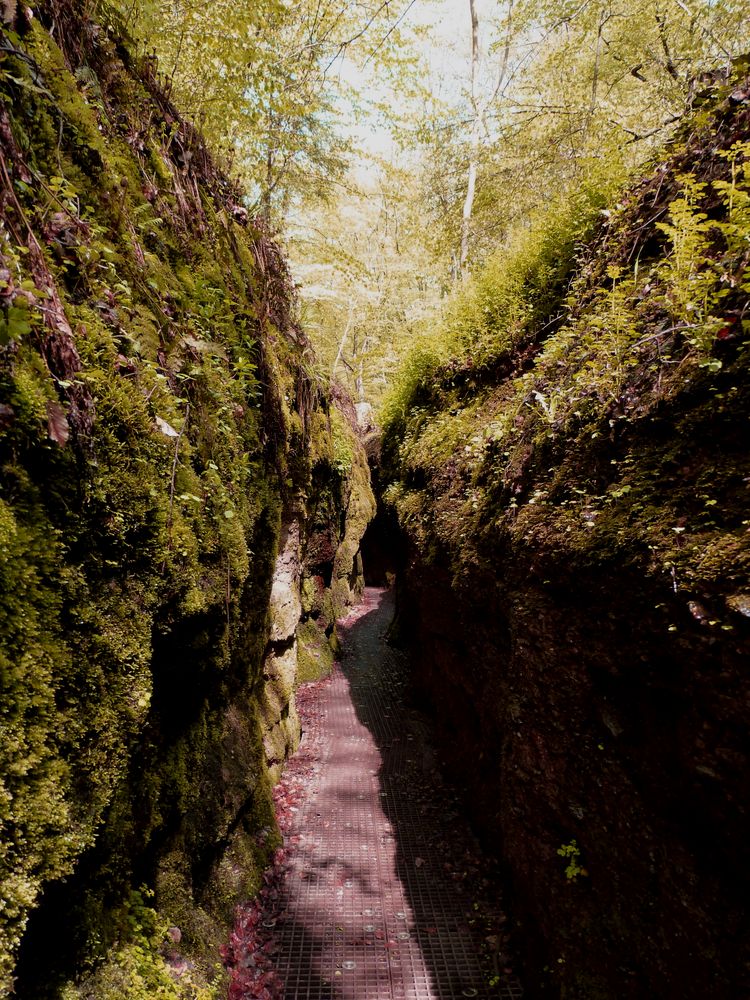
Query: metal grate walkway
(378, 897)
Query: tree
(263, 81)
(480, 107)
(367, 282)
(561, 93)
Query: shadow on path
(381, 896)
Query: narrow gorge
(558, 498)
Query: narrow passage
(379, 894)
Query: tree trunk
(344, 335)
(471, 181)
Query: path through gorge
(380, 892)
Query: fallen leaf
(166, 429)
(57, 424)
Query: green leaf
(14, 324)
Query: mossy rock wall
(318, 573)
(158, 423)
(577, 583)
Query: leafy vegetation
(539, 105)
(265, 82)
(566, 453)
(533, 104)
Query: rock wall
(163, 451)
(318, 574)
(576, 580)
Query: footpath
(379, 892)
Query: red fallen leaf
(724, 333)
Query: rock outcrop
(574, 506)
(318, 574)
(163, 454)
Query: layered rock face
(163, 455)
(576, 580)
(318, 574)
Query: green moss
(505, 307)
(316, 652)
(347, 581)
(137, 554)
(521, 449)
(145, 963)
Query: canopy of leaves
(560, 97)
(267, 82)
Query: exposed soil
(380, 890)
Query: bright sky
(445, 53)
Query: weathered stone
(286, 602)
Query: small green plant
(136, 969)
(691, 282)
(736, 194)
(572, 853)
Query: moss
(522, 446)
(316, 652)
(145, 963)
(347, 581)
(151, 442)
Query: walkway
(380, 885)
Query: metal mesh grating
(370, 908)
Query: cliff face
(318, 574)
(577, 576)
(167, 466)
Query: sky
(443, 46)
(445, 53)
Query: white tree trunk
(471, 181)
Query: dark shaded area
(378, 549)
(381, 543)
(567, 725)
